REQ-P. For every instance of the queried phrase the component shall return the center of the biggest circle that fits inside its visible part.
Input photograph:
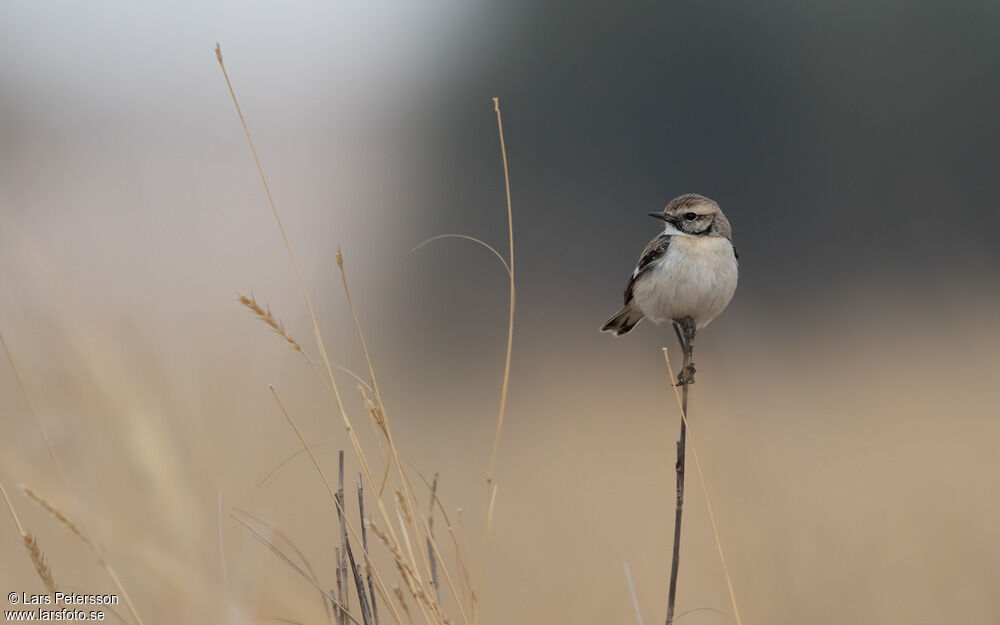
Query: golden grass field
(847, 488)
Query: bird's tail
(623, 321)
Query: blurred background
(845, 413)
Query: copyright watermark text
(59, 606)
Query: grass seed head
(264, 314)
(41, 564)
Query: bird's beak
(659, 215)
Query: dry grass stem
(59, 516)
(364, 546)
(704, 490)
(510, 325)
(461, 558)
(406, 537)
(430, 528)
(693, 610)
(468, 238)
(341, 614)
(277, 533)
(295, 567)
(444, 570)
(379, 425)
(416, 590)
(357, 326)
(13, 513)
(342, 581)
(359, 585)
(686, 331)
(281, 465)
(631, 590)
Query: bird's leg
(685, 329)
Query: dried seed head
(264, 314)
(58, 514)
(41, 565)
(375, 410)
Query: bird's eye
(690, 216)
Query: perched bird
(686, 275)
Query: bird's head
(694, 215)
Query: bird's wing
(654, 251)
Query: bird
(686, 275)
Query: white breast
(696, 277)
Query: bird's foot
(686, 376)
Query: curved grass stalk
(467, 238)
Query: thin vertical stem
(343, 581)
(510, 325)
(686, 336)
(359, 584)
(430, 537)
(708, 506)
(490, 481)
(340, 590)
(364, 545)
(10, 506)
(635, 599)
